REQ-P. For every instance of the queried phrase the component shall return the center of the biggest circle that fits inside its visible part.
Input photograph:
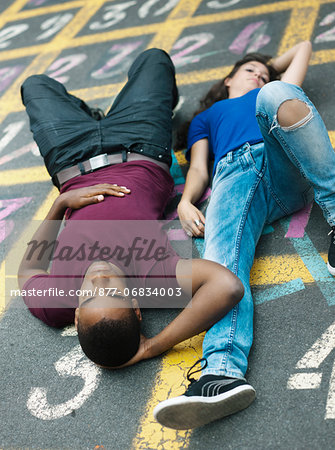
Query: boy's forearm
(211, 302)
(47, 231)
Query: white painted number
(120, 59)
(63, 65)
(189, 44)
(8, 33)
(144, 9)
(329, 35)
(7, 75)
(114, 14)
(215, 4)
(73, 364)
(54, 24)
(10, 132)
(312, 376)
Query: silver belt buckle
(99, 161)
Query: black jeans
(66, 133)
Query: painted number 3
(73, 364)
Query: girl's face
(249, 76)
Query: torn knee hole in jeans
(293, 114)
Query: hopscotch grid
(216, 16)
(181, 24)
(189, 22)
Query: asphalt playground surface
(51, 396)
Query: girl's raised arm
(293, 64)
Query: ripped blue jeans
(255, 185)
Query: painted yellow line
(11, 11)
(23, 52)
(322, 57)
(279, 269)
(180, 157)
(46, 205)
(170, 382)
(23, 176)
(171, 29)
(300, 26)
(332, 137)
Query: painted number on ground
(310, 375)
(73, 364)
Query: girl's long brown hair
(219, 92)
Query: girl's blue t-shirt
(227, 124)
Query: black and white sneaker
(207, 399)
(331, 252)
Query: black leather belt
(99, 161)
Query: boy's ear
(136, 309)
(76, 318)
(227, 82)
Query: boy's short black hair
(111, 343)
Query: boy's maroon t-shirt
(100, 231)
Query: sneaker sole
(182, 413)
(331, 269)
